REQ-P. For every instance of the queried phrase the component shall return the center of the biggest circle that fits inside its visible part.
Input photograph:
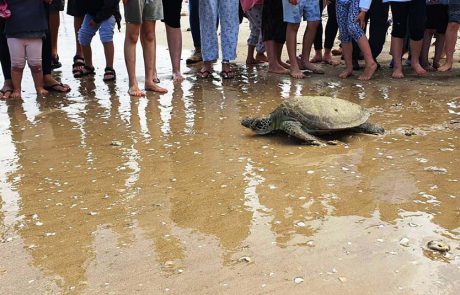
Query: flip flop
(227, 74)
(108, 71)
(5, 91)
(204, 74)
(55, 88)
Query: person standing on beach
(171, 11)
(407, 14)
(330, 33)
(75, 9)
(293, 12)
(437, 17)
(253, 11)
(227, 13)
(141, 16)
(274, 34)
(451, 34)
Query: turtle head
(258, 125)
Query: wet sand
(193, 203)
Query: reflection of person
(24, 32)
(171, 10)
(293, 12)
(102, 15)
(227, 12)
(140, 19)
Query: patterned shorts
(308, 9)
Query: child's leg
(312, 13)
(131, 38)
(417, 15)
(291, 44)
(253, 39)
(440, 41)
(34, 59)
(148, 41)
(428, 35)
(172, 11)
(450, 40)
(18, 62)
(256, 39)
(345, 39)
(355, 30)
(85, 35)
(106, 34)
(318, 43)
(400, 12)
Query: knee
(355, 31)
(399, 31)
(18, 64)
(148, 36)
(417, 35)
(106, 36)
(85, 36)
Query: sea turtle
(303, 116)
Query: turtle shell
(322, 113)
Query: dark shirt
(28, 19)
(101, 10)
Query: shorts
(57, 5)
(437, 17)
(171, 12)
(273, 26)
(105, 28)
(308, 9)
(454, 11)
(138, 11)
(74, 8)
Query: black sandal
(55, 64)
(85, 71)
(109, 71)
(77, 67)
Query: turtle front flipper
(369, 128)
(295, 129)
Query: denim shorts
(105, 28)
(308, 9)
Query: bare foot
(327, 59)
(297, 74)
(428, 67)
(155, 88)
(177, 77)
(397, 73)
(284, 65)
(135, 91)
(311, 67)
(252, 61)
(278, 69)
(16, 94)
(345, 74)
(445, 67)
(6, 90)
(261, 58)
(317, 58)
(369, 71)
(418, 69)
(41, 91)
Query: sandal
(204, 74)
(4, 91)
(84, 71)
(55, 64)
(229, 74)
(78, 64)
(109, 74)
(58, 87)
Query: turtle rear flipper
(369, 128)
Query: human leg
(172, 9)
(274, 35)
(345, 38)
(148, 41)
(209, 43)
(378, 14)
(400, 12)
(330, 34)
(34, 60)
(318, 42)
(312, 14)
(417, 20)
(7, 87)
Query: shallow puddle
(107, 194)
